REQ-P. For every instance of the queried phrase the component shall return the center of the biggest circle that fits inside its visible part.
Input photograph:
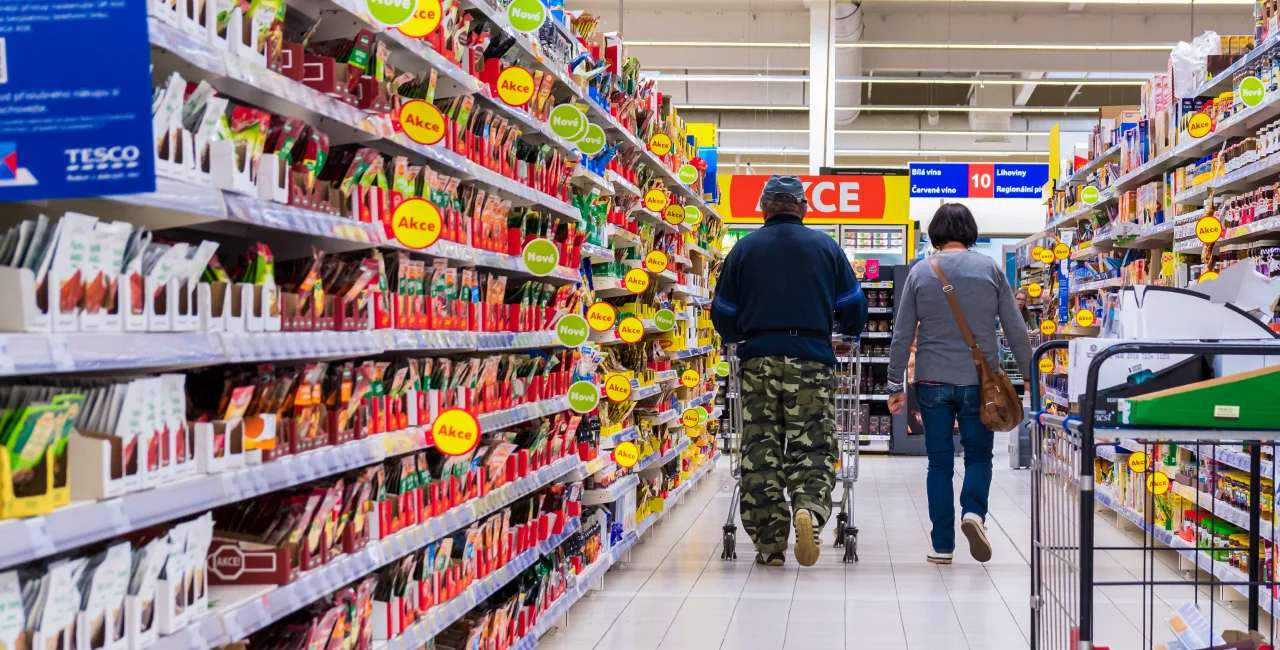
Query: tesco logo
(97, 158)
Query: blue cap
(784, 187)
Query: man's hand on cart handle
(896, 402)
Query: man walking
(779, 292)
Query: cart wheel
(851, 545)
(730, 537)
(842, 525)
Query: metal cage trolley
(1192, 553)
(848, 433)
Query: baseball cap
(784, 187)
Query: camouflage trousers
(788, 443)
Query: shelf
(1082, 174)
(700, 400)
(439, 618)
(523, 413)
(879, 310)
(606, 559)
(879, 284)
(863, 359)
(601, 496)
(233, 619)
(691, 352)
(621, 183)
(875, 335)
(624, 435)
(274, 92)
(671, 455)
(1095, 286)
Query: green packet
(30, 431)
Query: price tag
(287, 471)
(60, 352)
(231, 623)
(195, 637)
(6, 361)
(38, 537)
(115, 512)
(231, 490)
(259, 481)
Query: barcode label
(4, 62)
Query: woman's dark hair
(953, 223)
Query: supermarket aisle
(676, 593)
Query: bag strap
(955, 304)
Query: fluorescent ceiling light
(787, 151)
(874, 108)
(760, 78)
(1073, 47)
(920, 45)
(896, 132)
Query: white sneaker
(976, 530)
(939, 558)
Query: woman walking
(946, 382)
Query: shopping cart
(1193, 537)
(848, 405)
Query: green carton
(1248, 400)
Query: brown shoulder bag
(1001, 409)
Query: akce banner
(832, 199)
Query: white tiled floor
(676, 593)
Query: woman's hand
(896, 402)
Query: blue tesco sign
(83, 129)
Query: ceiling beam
(1024, 93)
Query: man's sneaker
(807, 545)
(939, 558)
(976, 530)
(772, 559)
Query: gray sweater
(924, 314)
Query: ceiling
(1021, 65)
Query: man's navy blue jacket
(786, 277)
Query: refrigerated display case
(885, 244)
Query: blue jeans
(941, 406)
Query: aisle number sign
(655, 262)
(626, 454)
(422, 122)
(1048, 327)
(602, 316)
(515, 86)
(1208, 230)
(1157, 483)
(1252, 91)
(416, 223)
(392, 13)
(1034, 290)
(636, 281)
(630, 329)
(424, 21)
(655, 201)
(526, 16)
(1045, 365)
(978, 180)
(664, 320)
(1084, 318)
(1089, 195)
(690, 418)
(1199, 125)
(674, 214)
(455, 432)
(540, 256)
(617, 387)
(572, 330)
(1061, 251)
(660, 144)
(583, 396)
(1138, 462)
(690, 378)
